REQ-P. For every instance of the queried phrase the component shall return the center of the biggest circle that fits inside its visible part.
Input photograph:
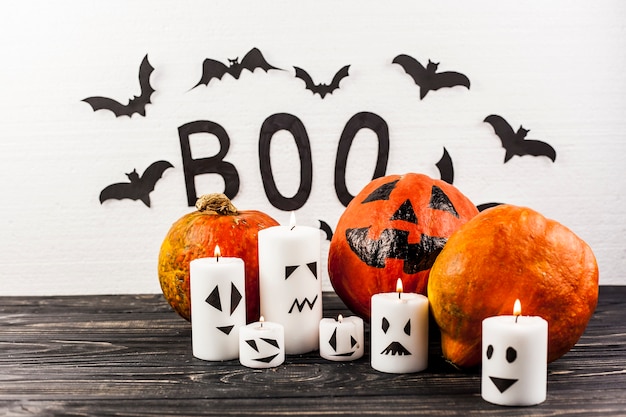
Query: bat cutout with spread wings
(139, 187)
(214, 69)
(428, 78)
(322, 89)
(136, 104)
(516, 143)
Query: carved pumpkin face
(394, 228)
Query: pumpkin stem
(216, 203)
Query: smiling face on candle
(226, 300)
(514, 356)
(509, 354)
(267, 349)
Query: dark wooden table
(131, 355)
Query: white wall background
(556, 67)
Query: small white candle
(262, 344)
(399, 331)
(514, 359)
(290, 286)
(342, 339)
(218, 306)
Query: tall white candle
(514, 359)
(399, 331)
(290, 285)
(342, 339)
(262, 344)
(218, 306)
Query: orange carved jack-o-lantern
(394, 228)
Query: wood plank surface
(131, 355)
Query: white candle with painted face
(399, 331)
(218, 306)
(290, 285)
(262, 344)
(514, 359)
(342, 339)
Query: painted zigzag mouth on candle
(300, 305)
(502, 384)
(395, 348)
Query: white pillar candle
(218, 306)
(290, 285)
(399, 332)
(262, 344)
(342, 339)
(514, 359)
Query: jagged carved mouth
(395, 348)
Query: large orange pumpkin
(394, 228)
(195, 235)
(503, 254)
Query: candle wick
(293, 227)
(399, 295)
(516, 317)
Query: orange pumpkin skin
(392, 230)
(195, 235)
(503, 254)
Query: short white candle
(514, 359)
(342, 339)
(399, 331)
(290, 286)
(262, 344)
(218, 306)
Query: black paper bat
(516, 143)
(485, 206)
(214, 69)
(322, 89)
(136, 104)
(327, 229)
(428, 78)
(139, 188)
(446, 170)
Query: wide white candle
(262, 344)
(218, 306)
(290, 285)
(514, 359)
(342, 339)
(399, 331)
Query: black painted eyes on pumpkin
(438, 198)
(290, 269)
(511, 353)
(214, 298)
(407, 326)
